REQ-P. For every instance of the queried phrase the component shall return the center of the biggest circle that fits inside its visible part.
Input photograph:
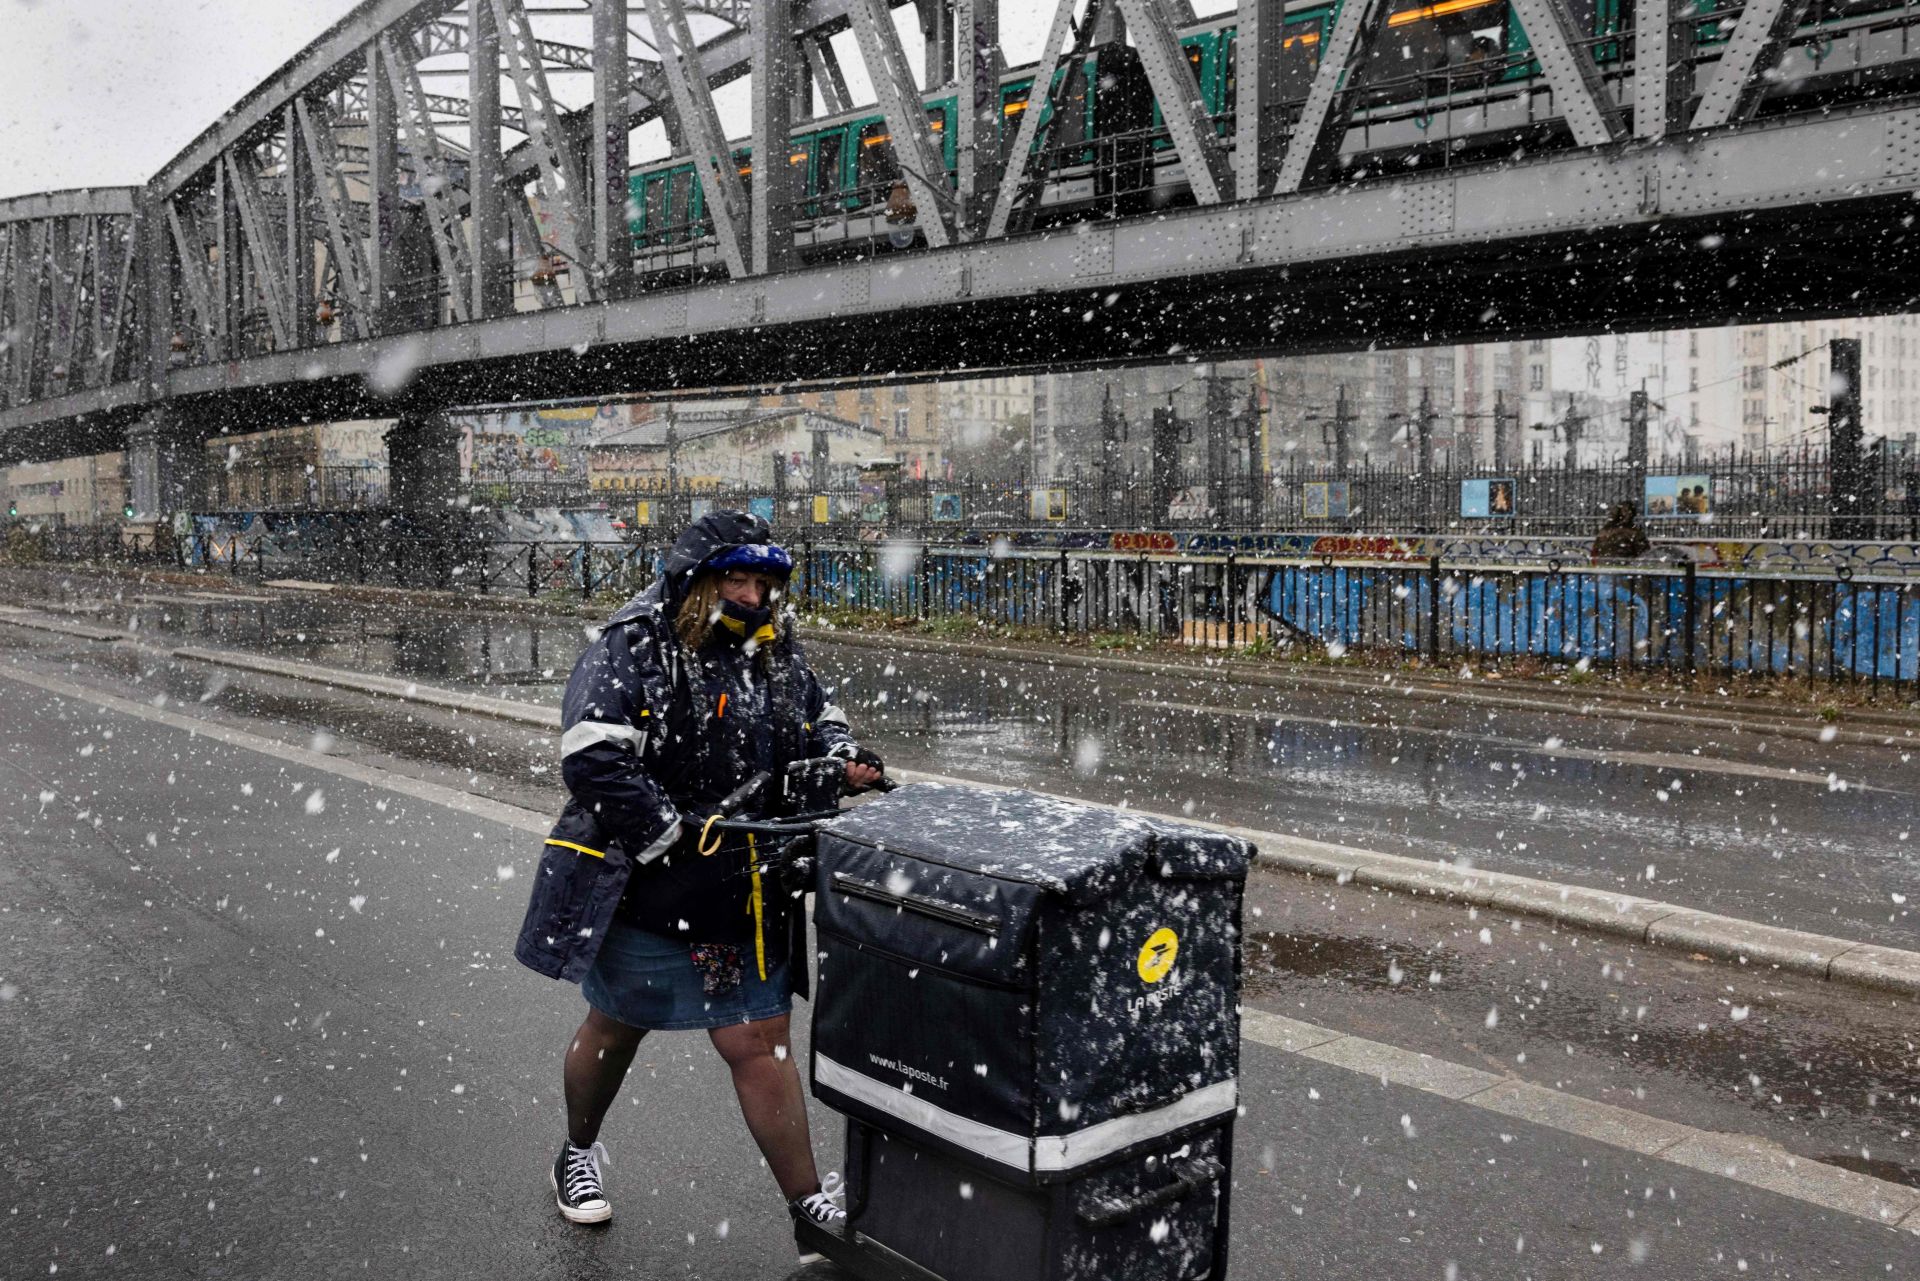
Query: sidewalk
(1709, 703)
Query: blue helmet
(756, 558)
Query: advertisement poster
(1489, 498)
(643, 512)
(947, 508)
(1047, 504)
(822, 509)
(1679, 495)
(873, 499)
(1323, 499)
(761, 507)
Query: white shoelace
(583, 1172)
(824, 1206)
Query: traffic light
(13, 509)
(127, 511)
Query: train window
(875, 169)
(679, 204)
(1013, 104)
(1451, 36)
(826, 166)
(655, 208)
(1293, 53)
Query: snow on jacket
(646, 743)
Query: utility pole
(1342, 421)
(1166, 460)
(1423, 427)
(1112, 429)
(1637, 429)
(1843, 442)
(673, 468)
(819, 460)
(1503, 418)
(1219, 412)
(1573, 425)
(1256, 459)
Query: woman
(692, 688)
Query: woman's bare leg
(767, 1080)
(597, 1062)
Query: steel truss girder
(1739, 80)
(343, 237)
(1578, 91)
(712, 158)
(243, 177)
(1188, 124)
(1660, 68)
(771, 212)
(444, 228)
(354, 98)
(560, 186)
(1064, 41)
(976, 149)
(1323, 120)
(900, 103)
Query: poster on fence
(643, 512)
(947, 509)
(1047, 504)
(822, 509)
(1323, 499)
(1679, 495)
(761, 507)
(1487, 498)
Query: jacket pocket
(562, 905)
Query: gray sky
(105, 92)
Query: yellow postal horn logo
(1156, 958)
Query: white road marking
(1756, 1162)
(1746, 1159)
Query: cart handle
(1108, 1212)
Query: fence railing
(1638, 617)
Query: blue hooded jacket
(653, 735)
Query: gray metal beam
(1579, 94)
(70, 203)
(1323, 120)
(1249, 71)
(121, 305)
(976, 142)
(432, 174)
(491, 288)
(190, 252)
(1062, 36)
(1661, 71)
(257, 233)
(612, 238)
(832, 81)
(712, 159)
(297, 178)
(351, 274)
(383, 193)
(923, 167)
(773, 212)
(353, 98)
(560, 182)
(1181, 106)
(526, 235)
(66, 257)
(1740, 78)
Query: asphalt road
(255, 1035)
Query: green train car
(1110, 152)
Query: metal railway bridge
(432, 205)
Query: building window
(1537, 346)
(902, 421)
(1536, 378)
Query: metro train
(1458, 71)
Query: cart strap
(1048, 1153)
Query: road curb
(1606, 704)
(1649, 921)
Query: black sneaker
(576, 1184)
(822, 1209)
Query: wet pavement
(253, 1033)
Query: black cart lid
(1074, 850)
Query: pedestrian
(1621, 538)
(691, 688)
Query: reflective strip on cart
(1049, 1152)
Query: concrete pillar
(423, 464)
(167, 466)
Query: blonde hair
(701, 606)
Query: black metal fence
(1780, 496)
(1645, 617)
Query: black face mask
(741, 623)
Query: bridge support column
(423, 464)
(166, 466)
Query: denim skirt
(649, 981)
